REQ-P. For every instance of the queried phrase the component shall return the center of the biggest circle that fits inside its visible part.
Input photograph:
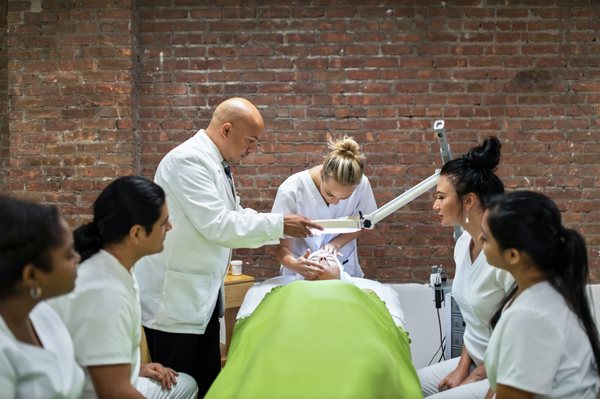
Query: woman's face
(493, 253)
(446, 203)
(333, 192)
(60, 279)
(329, 261)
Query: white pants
(185, 388)
(431, 376)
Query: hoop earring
(467, 218)
(35, 292)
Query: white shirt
(298, 194)
(179, 287)
(103, 316)
(478, 288)
(539, 346)
(28, 371)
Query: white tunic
(28, 371)
(298, 194)
(103, 316)
(478, 288)
(539, 346)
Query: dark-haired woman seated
(37, 262)
(545, 343)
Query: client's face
(329, 261)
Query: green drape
(318, 339)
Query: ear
(136, 233)
(29, 276)
(470, 200)
(512, 256)
(226, 129)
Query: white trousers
(431, 376)
(185, 388)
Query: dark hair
(124, 203)
(474, 171)
(28, 232)
(530, 222)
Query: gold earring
(467, 218)
(35, 292)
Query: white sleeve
(285, 201)
(101, 324)
(505, 279)
(193, 187)
(529, 357)
(366, 203)
(8, 377)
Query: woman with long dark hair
(103, 314)
(545, 342)
(464, 188)
(37, 262)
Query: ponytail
(87, 240)
(530, 222)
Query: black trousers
(198, 355)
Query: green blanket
(318, 339)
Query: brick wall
(3, 95)
(381, 71)
(71, 96)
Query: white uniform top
(539, 346)
(28, 371)
(478, 289)
(298, 194)
(179, 287)
(103, 316)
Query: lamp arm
(369, 221)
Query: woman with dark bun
(465, 186)
(37, 262)
(545, 342)
(334, 189)
(103, 315)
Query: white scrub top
(539, 346)
(28, 371)
(478, 288)
(103, 316)
(298, 194)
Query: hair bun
(486, 155)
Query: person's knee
(186, 387)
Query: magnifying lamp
(354, 223)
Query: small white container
(236, 267)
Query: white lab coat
(179, 287)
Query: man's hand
(166, 376)
(298, 226)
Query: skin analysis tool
(351, 224)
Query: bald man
(181, 288)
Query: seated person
(317, 339)
(102, 314)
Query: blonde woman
(334, 189)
